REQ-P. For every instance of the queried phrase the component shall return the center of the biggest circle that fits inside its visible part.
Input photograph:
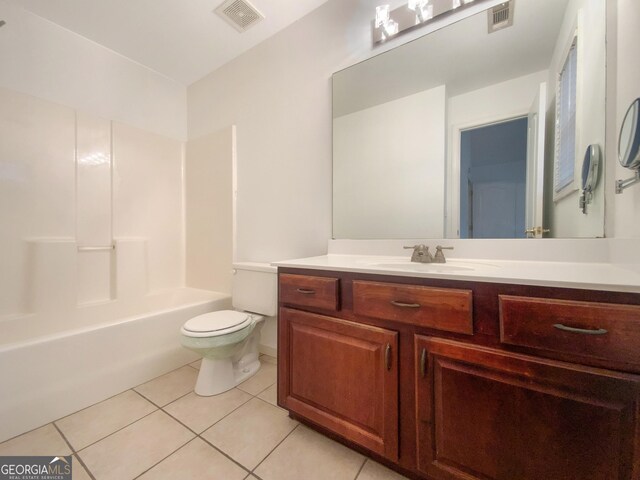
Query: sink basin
(423, 267)
(449, 267)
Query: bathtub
(53, 366)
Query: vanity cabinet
(341, 375)
(444, 379)
(487, 414)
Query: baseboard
(264, 349)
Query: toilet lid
(227, 320)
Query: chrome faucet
(421, 254)
(439, 257)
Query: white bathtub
(51, 367)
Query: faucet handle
(421, 254)
(439, 256)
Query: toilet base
(217, 375)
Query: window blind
(566, 121)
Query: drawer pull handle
(405, 305)
(423, 363)
(584, 331)
(387, 357)
(306, 291)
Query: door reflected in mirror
(462, 133)
(493, 172)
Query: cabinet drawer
(440, 308)
(603, 331)
(309, 291)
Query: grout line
(361, 467)
(183, 424)
(116, 431)
(199, 435)
(221, 418)
(28, 431)
(165, 405)
(92, 405)
(86, 469)
(73, 450)
(264, 390)
(273, 449)
(225, 454)
(164, 458)
(268, 403)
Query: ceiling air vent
(501, 16)
(240, 14)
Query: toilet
(228, 339)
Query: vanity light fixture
(423, 9)
(384, 21)
(412, 14)
(459, 3)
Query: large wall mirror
(472, 133)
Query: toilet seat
(218, 323)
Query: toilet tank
(255, 288)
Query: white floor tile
(136, 448)
(42, 441)
(196, 461)
(96, 422)
(170, 386)
(308, 455)
(199, 413)
(248, 434)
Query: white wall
(381, 158)
(564, 216)
(624, 218)
(209, 165)
(45, 60)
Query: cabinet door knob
(387, 357)
(583, 331)
(423, 363)
(306, 291)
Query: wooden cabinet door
(489, 414)
(341, 375)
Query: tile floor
(162, 430)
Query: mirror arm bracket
(621, 185)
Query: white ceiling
(182, 39)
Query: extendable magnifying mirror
(590, 175)
(629, 145)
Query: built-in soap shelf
(63, 275)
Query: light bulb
(382, 15)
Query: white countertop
(583, 275)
